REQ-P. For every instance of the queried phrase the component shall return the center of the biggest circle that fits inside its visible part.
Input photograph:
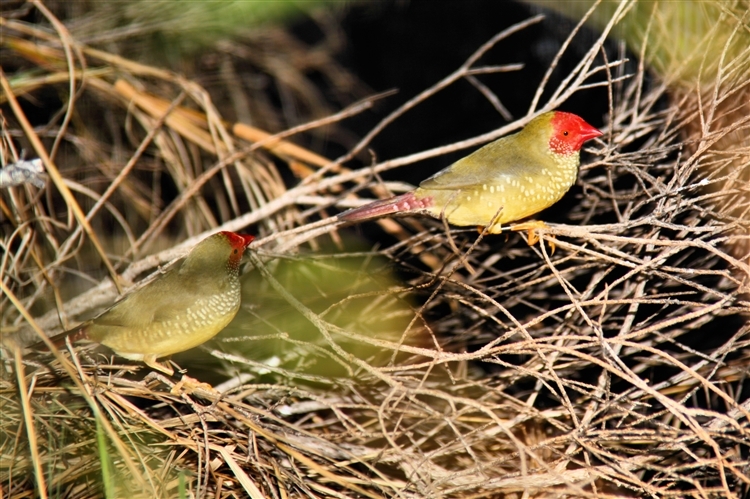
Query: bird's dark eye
(565, 133)
(235, 251)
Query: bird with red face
(507, 180)
(184, 307)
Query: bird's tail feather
(405, 203)
(77, 333)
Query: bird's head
(564, 132)
(218, 252)
(237, 243)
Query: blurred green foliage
(684, 42)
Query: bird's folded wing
(498, 163)
(157, 302)
(448, 179)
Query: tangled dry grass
(440, 364)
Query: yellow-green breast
(163, 336)
(510, 197)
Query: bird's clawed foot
(150, 361)
(189, 385)
(531, 226)
(491, 229)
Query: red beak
(588, 132)
(247, 239)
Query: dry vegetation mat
(440, 363)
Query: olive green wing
(494, 164)
(156, 301)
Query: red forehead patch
(569, 132)
(238, 240)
